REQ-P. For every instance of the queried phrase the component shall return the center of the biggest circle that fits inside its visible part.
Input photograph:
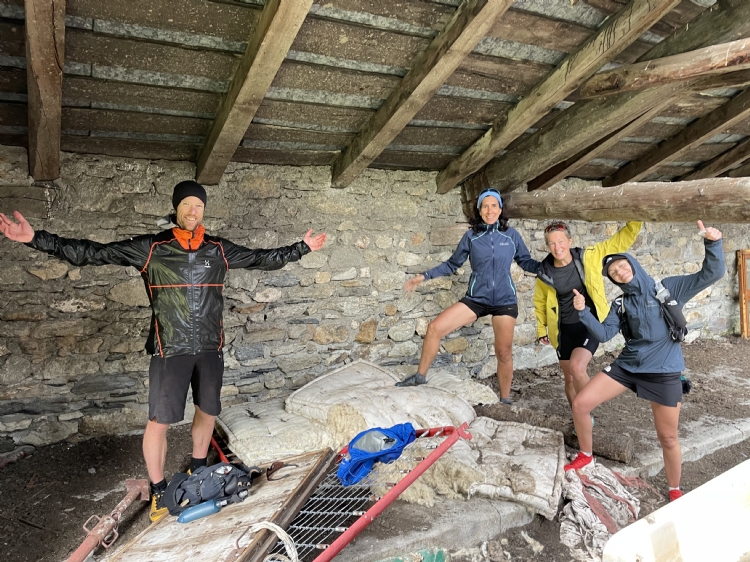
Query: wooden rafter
(739, 79)
(574, 130)
(45, 56)
(570, 165)
(279, 24)
(741, 172)
(567, 167)
(732, 112)
(591, 120)
(722, 163)
(716, 59)
(468, 26)
(624, 28)
(715, 200)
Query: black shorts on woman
(484, 310)
(572, 336)
(662, 388)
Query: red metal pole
(337, 546)
(215, 443)
(108, 525)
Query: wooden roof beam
(715, 200)
(716, 59)
(567, 167)
(739, 79)
(735, 155)
(279, 24)
(724, 117)
(45, 57)
(741, 172)
(469, 24)
(617, 34)
(588, 121)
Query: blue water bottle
(201, 510)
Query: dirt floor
(46, 498)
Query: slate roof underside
(144, 79)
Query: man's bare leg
(155, 449)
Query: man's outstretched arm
(240, 257)
(133, 252)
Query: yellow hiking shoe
(158, 509)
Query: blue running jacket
(490, 253)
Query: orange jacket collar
(189, 240)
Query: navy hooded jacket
(652, 350)
(490, 252)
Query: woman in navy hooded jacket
(651, 362)
(491, 245)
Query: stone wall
(71, 339)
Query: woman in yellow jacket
(563, 270)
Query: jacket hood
(641, 282)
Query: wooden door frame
(743, 258)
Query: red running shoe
(580, 461)
(674, 494)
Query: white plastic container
(709, 524)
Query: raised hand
(315, 242)
(709, 233)
(579, 301)
(414, 282)
(18, 232)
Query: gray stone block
(286, 279)
(248, 352)
(102, 383)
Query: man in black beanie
(183, 269)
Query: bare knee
(669, 441)
(578, 370)
(580, 407)
(504, 354)
(434, 331)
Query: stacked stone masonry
(72, 363)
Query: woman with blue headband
(491, 246)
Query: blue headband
(494, 193)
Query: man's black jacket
(184, 275)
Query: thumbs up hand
(709, 233)
(579, 301)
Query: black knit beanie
(188, 188)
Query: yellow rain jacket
(588, 262)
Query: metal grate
(327, 514)
(333, 508)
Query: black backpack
(670, 311)
(673, 316)
(223, 481)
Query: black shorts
(170, 377)
(483, 310)
(662, 388)
(572, 336)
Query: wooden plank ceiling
(510, 92)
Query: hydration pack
(673, 316)
(223, 481)
(671, 311)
